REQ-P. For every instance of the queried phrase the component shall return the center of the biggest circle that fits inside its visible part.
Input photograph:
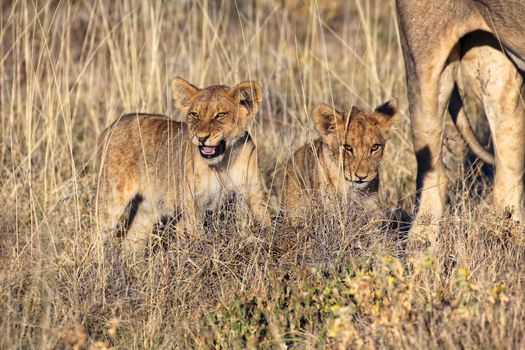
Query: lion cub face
(356, 139)
(217, 116)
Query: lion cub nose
(361, 177)
(202, 139)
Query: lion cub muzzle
(209, 152)
(360, 179)
(361, 183)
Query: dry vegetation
(68, 68)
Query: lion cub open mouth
(213, 151)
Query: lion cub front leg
(191, 219)
(258, 205)
(294, 200)
(255, 192)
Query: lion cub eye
(220, 115)
(194, 115)
(375, 148)
(349, 149)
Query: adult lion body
(343, 162)
(181, 169)
(445, 43)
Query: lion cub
(181, 169)
(342, 162)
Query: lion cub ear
(326, 119)
(248, 94)
(183, 93)
(385, 114)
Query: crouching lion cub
(342, 162)
(181, 169)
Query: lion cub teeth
(208, 150)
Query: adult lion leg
(427, 117)
(506, 114)
(427, 43)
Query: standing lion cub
(342, 162)
(181, 169)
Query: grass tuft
(346, 280)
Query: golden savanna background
(69, 68)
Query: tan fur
(432, 33)
(342, 162)
(160, 160)
(490, 78)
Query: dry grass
(69, 68)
